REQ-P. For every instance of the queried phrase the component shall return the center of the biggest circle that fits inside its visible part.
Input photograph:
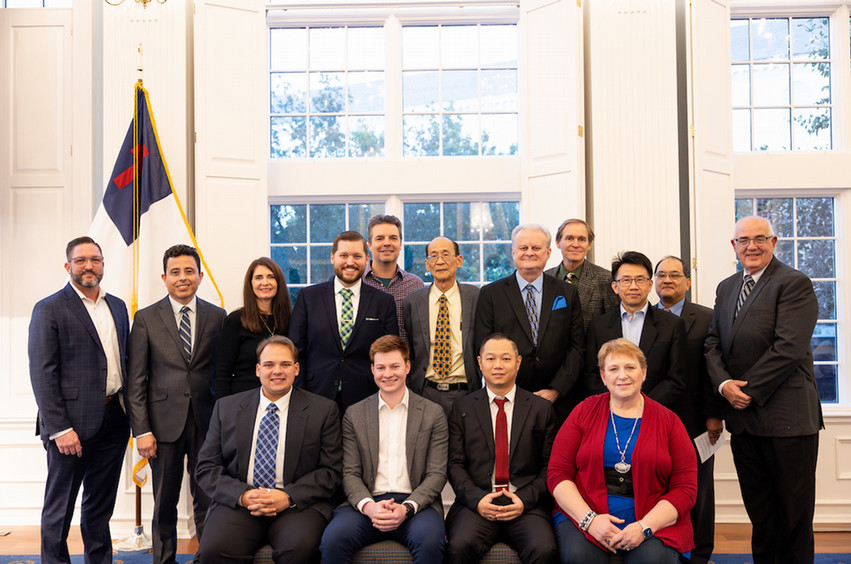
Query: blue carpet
(123, 558)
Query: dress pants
(98, 471)
(703, 513)
(470, 536)
(443, 399)
(167, 473)
(777, 477)
(350, 530)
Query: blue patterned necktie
(532, 312)
(442, 345)
(347, 321)
(266, 453)
(746, 290)
(185, 331)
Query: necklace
(266, 325)
(622, 467)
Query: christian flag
(141, 216)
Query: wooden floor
(733, 539)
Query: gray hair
(531, 227)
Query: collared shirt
(676, 309)
(509, 415)
(453, 302)
(283, 404)
(338, 301)
(538, 284)
(193, 310)
(391, 474)
(577, 272)
(631, 325)
(402, 284)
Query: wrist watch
(646, 530)
(409, 510)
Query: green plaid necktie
(442, 346)
(347, 318)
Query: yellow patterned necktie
(442, 346)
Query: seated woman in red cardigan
(622, 471)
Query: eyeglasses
(81, 261)
(627, 282)
(759, 240)
(445, 256)
(670, 275)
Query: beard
(87, 283)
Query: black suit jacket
(768, 345)
(663, 342)
(556, 362)
(471, 449)
(313, 458)
(316, 333)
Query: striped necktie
(746, 290)
(266, 452)
(347, 320)
(532, 312)
(185, 331)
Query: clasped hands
(605, 532)
(386, 515)
(264, 502)
(492, 512)
(732, 391)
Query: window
(781, 84)
(481, 229)
(36, 3)
(806, 232)
(326, 92)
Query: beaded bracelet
(586, 521)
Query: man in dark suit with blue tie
(169, 398)
(77, 350)
(334, 323)
(760, 359)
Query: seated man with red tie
(499, 446)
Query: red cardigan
(664, 464)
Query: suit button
(537, 359)
(186, 395)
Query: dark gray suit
(596, 295)
(775, 438)
(171, 398)
(418, 317)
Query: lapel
(518, 421)
(421, 309)
(515, 299)
(548, 292)
(75, 304)
(467, 314)
(166, 314)
(201, 318)
(687, 315)
(245, 417)
(648, 331)
(363, 305)
(415, 421)
(483, 415)
(614, 326)
(372, 437)
(296, 425)
(329, 304)
(733, 298)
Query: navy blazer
(324, 366)
(68, 363)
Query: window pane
(288, 224)
(499, 134)
(771, 39)
(327, 92)
(419, 47)
(498, 45)
(288, 93)
(326, 221)
(498, 90)
(288, 137)
(741, 130)
(460, 91)
(771, 130)
(415, 261)
(420, 91)
(458, 46)
(824, 342)
(422, 136)
(810, 38)
(460, 134)
(497, 261)
(327, 137)
(739, 40)
(293, 261)
(816, 258)
(457, 224)
(771, 84)
(288, 49)
(785, 252)
(366, 48)
(811, 83)
(741, 85)
(470, 270)
(826, 379)
(359, 215)
(321, 268)
(422, 221)
(811, 129)
(366, 136)
(779, 212)
(366, 92)
(328, 48)
(500, 218)
(826, 295)
(744, 208)
(815, 217)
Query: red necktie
(500, 472)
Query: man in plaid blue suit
(77, 351)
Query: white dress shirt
(509, 416)
(283, 409)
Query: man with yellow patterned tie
(439, 324)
